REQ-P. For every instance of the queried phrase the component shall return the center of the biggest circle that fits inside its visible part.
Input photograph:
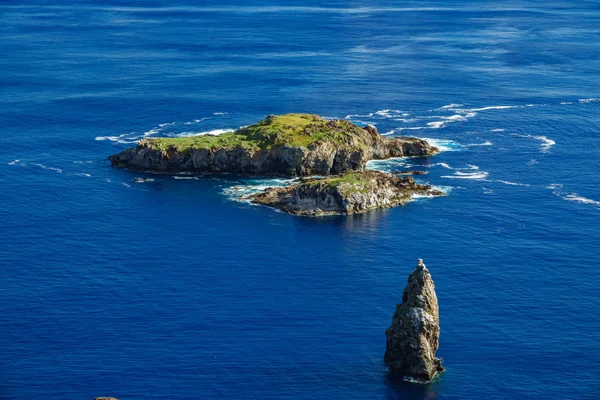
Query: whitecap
(349, 116)
(481, 175)
(450, 106)
(13, 162)
(244, 190)
(83, 174)
(486, 143)
(219, 113)
(436, 124)
(492, 108)
(444, 144)
(214, 132)
(186, 177)
(580, 199)
(442, 165)
(498, 130)
(546, 142)
(590, 100)
(511, 183)
(564, 103)
(42, 166)
(387, 165)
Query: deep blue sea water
(172, 289)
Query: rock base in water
(349, 193)
(413, 337)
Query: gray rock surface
(350, 193)
(413, 337)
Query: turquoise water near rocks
(176, 289)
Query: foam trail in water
(243, 191)
(481, 175)
(511, 183)
(13, 162)
(389, 164)
(42, 166)
(444, 144)
(498, 130)
(571, 196)
(546, 142)
(590, 100)
(486, 143)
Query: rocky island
(289, 145)
(349, 193)
(413, 337)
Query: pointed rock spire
(413, 337)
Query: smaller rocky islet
(294, 145)
(349, 193)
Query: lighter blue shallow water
(171, 289)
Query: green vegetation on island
(296, 130)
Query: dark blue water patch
(171, 288)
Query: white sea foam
(243, 191)
(445, 189)
(442, 165)
(498, 130)
(83, 174)
(444, 144)
(387, 165)
(481, 175)
(42, 166)
(556, 190)
(580, 199)
(436, 124)
(492, 108)
(450, 106)
(350, 116)
(546, 143)
(564, 103)
(219, 113)
(186, 177)
(511, 183)
(13, 162)
(214, 132)
(590, 100)
(486, 143)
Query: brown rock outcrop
(413, 337)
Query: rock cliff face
(413, 337)
(350, 193)
(289, 145)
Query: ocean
(176, 289)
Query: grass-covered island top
(296, 130)
(284, 145)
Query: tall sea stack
(413, 337)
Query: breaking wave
(242, 192)
(479, 175)
(546, 143)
